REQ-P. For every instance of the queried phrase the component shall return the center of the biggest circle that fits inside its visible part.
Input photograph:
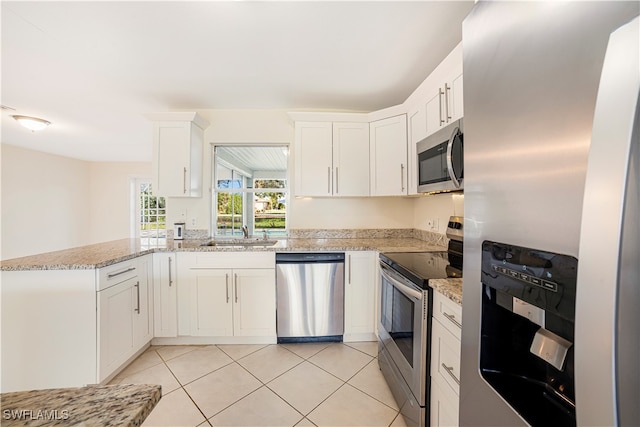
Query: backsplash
(430, 237)
(373, 233)
(190, 234)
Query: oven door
(403, 329)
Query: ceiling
(94, 69)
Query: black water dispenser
(527, 333)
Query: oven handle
(405, 289)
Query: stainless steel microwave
(441, 160)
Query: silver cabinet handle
(235, 285)
(329, 180)
(349, 269)
(170, 279)
(227, 282)
(450, 372)
(184, 180)
(440, 93)
(112, 275)
(337, 181)
(452, 318)
(447, 90)
(402, 176)
(137, 285)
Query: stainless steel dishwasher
(310, 296)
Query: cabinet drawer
(117, 273)
(445, 356)
(448, 313)
(238, 259)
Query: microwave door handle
(452, 174)
(406, 290)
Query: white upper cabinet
(332, 159)
(444, 101)
(313, 154)
(178, 143)
(388, 144)
(438, 101)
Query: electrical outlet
(434, 224)
(194, 222)
(429, 224)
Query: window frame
(213, 226)
(136, 213)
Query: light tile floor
(316, 384)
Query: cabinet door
(211, 302)
(360, 296)
(143, 312)
(444, 406)
(435, 114)
(177, 158)
(313, 154)
(350, 159)
(388, 144)
(115, 313)
(456, 98)
(172, 156)
(254, 292)
(165, 311)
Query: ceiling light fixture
(32, 123)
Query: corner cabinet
(332, 159)
(445, 361)
(388, 145)
(178, 144)
(228, 298)
(360, 296)
(438, 101)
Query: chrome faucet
(245, 231)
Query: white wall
(439, 207)
(110, 201)
(51, 202)
(44, 202)
(374, 212)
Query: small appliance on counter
(178, 231)
(405, 320)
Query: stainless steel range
(405, 320)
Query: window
(149, 219)
(250, 188)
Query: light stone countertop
(104, 254)
(91, 406)
(451, 288)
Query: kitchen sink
(240, 242)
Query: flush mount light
(32, 123)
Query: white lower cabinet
(445, 361)
(229, 302)
(165, 300)
(360, 296)
(124, 314)
(115, 320)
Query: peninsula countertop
(103, 254)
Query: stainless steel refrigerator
(551, 93)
